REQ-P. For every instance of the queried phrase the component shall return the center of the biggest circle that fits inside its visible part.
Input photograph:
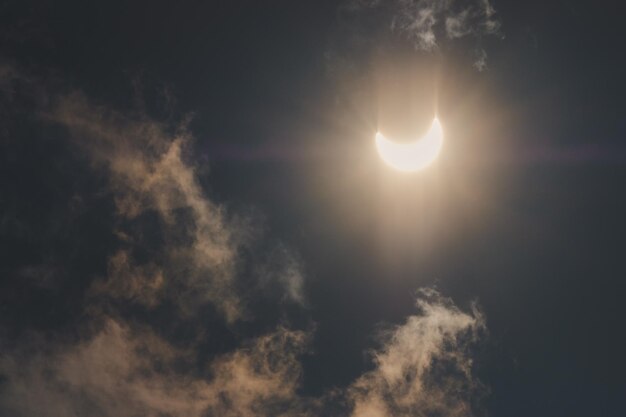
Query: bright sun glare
(411, 156)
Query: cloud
(43, 275)
(481, 60)
(457, 25)
(198, 246)
(128, 281)
(427, 23)
(422, 367)
(127, 371)
(177, 245)
(409, 377)
(148, 173)
(284, 267)
(261, 379)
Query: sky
(194, 219)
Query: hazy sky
(194, 220)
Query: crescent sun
(411, 156)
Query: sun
(412, 156)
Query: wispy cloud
(198, 257)
(422, 367)
(125, 371)
(409, 377)
(284, 267)
(427, 23)
(176, 245)
(127, 281)
(148, 174)
(481, 60)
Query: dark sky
(194, 220)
